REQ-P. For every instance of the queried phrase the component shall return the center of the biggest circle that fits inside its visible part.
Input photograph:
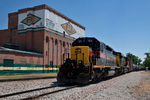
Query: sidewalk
(27, 77)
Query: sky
(124, 25)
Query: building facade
(38, 39)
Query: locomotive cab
(78, 68)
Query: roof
(44, 6)
(109, 48)
(87, 38)
(3, 49)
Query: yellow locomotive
(92, 60)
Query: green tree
(135, 59)
(146, 62)
(147, 54)
(139, 61)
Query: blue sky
(122, 24)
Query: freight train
(92, 60)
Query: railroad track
(26, 79)
(48, 93)
(38, 89)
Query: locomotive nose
(70, 74)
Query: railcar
(92, 60)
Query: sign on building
(46, 19)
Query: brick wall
(21, 58)
(32, 41)
(54, 48)
(12, 27)
(4, 37)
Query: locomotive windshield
(93, 43)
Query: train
(92, 60)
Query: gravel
(119, 88)
(142, 92)
(17, 86)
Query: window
(56, 42)
(47, 39)
(9, 62)
(63, 44)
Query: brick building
(38, 39)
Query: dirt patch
(146, 72)
(145, 87)
(142, 92)
(142, 88)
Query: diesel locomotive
(92, 60)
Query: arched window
(47, 39)
(56, 41)
(64, 44)
(47, 50)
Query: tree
(146, 62)
(139, 61)
(135, 59)
(147, 54)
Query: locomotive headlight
(80, 62)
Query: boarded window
(8, 62)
